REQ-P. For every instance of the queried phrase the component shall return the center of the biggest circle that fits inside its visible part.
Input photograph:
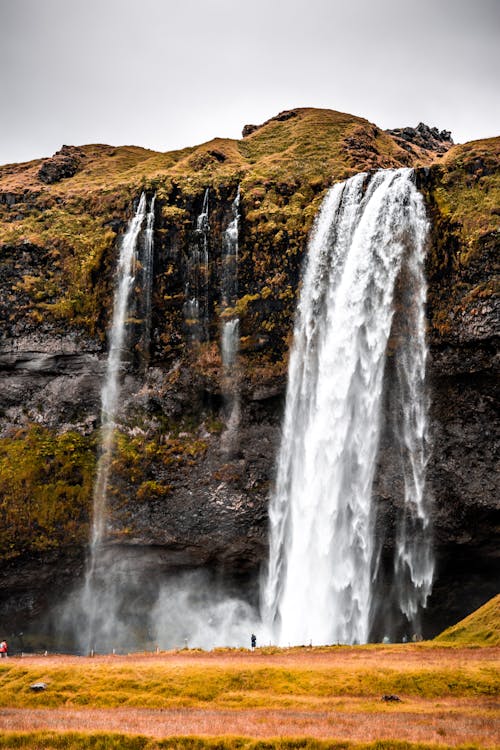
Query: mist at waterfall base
(360, 319)
(140, 607)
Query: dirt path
(393, 656)
(452, 724)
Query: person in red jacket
(3, 649)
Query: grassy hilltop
(283, 168)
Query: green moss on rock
(46, 485)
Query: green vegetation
(139, 461)
(469, 193)
(283, 169)
(463, 196)
(229, 686)
(111, 741)
(482, 627)
(45, 490)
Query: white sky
(171, 73)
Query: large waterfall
(370, 233)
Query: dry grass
(451, 724)
(481, 627)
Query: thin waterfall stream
(99, 601)
(230, 333)
(147, 277)
(196, 309)
(321, 570)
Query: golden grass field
(308, 698)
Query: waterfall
(413, 561)
(198, 277)
(147, 276)
(118, 351)
(98, 601)
(319, 583)
(230, 334)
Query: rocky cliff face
(179, 497)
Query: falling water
(115, 364)
(413, 561)
(97, 584)
(319, 582)
(147, 276)
(230, 335)
(198, 277)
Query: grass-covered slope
(481, 627)
(463, 199)
(69, 227)
(283, 168)
(230, 679)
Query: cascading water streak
(319, 579)
(147, 273)
(98, 598)
(115, 363)
(198, 277)
(230, 334)
(413, 561)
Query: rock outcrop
(65, 163)
(429, 139)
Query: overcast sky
(171, 73)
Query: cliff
(179, 498)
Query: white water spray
(319, 585)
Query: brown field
(451, 724)
(446, 716)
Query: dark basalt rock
(65, 163)
(249, 129)
(281, 117)
(423, 136)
